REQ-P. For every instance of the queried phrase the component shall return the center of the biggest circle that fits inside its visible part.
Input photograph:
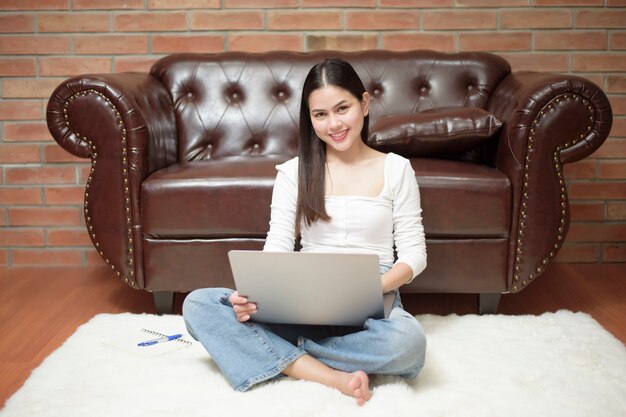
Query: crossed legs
(249, 353)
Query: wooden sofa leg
(488, 303)
(164, 302)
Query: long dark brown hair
(312, 150)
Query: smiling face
(337, 117)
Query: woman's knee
(199, 302)
(408, 346)
(202, 307)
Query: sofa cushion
(223, 198)
(433, 132)
(230, 198)
(463, 200)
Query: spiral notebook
(129, 339)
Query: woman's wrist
(397, 276)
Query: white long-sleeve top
(371, 225)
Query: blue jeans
(248, 353)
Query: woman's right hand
(243, 309)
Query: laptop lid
(310, 288)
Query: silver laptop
(310, 288)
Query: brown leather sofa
(183, 160)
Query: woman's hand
(243, 309)
(396, 277)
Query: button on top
(281, 95)
(377, 89)
(421, 85)
(280, 92)
(254, 149)
(234, 94)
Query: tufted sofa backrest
(235, 103)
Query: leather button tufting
(281, 96)
(234, 95)
(280, 93)
(254, 149)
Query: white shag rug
(556, 364)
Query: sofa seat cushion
(230, 198)
(218, 198)
(463, 200)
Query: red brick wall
(45, 41)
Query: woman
(338, 195)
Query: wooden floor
(40, 308)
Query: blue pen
(160, 340)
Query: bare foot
(356, 384)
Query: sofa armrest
(548, 120)
(125, 124)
